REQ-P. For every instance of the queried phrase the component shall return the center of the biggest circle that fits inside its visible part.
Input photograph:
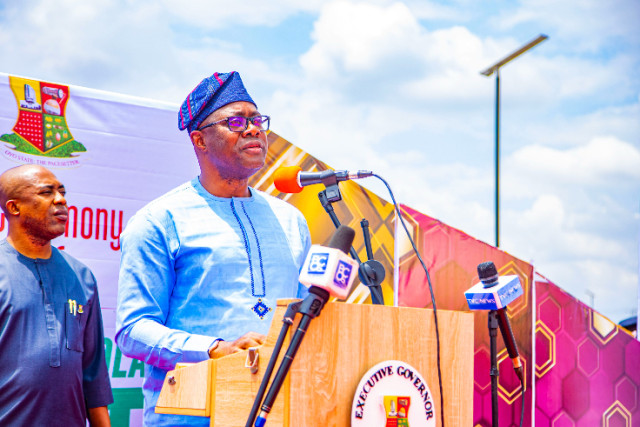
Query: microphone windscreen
(343, 238)
(286, 179)
(487, 272)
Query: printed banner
(118, 167)
(587, 367)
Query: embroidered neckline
(260, 308)
(247, 247)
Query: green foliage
(64, 151)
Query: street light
(495, 68)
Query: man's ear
(197, 139)
(12, 207)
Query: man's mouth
(61, 214)
(252, 147)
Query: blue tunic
(196, 267)
(52, 363)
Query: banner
(113, 154)
(587, 367)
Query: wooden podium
(339, 348)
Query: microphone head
(342, 238)
(488, 274)
(286, 179)
(330, 267)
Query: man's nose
(252, 130)
(60, 200)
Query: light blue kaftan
(196, 267)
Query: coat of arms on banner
(41, 128)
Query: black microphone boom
(310, 308)
(510, 342)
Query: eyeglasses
(240, 124)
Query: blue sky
(395, 87)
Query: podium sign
(393, 394)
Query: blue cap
(211, 93)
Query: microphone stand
(310, 308)
(493, 372)
(287, 321)
(371, 272)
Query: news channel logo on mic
(330, 269)
(506, 289)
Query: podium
(340, 346)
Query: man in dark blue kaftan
(52, 360)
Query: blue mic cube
(495, 297)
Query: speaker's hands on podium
(225, 348)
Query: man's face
(235, 155)
(41, 204)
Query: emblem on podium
(386, 393)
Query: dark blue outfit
(52, 362)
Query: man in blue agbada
(52, 358)
(203, 265)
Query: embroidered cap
(211, 93)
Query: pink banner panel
(587, 367)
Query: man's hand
(225, 348)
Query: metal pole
(497, 157)
(495, 68)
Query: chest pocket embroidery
(75, 322)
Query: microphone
(327, 273)
(330, 268)
(494, 293)
(510, 342)
(291, 179)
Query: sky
(395, 87)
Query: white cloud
(602, 161)
(358, 37)
(548, 224)
(583, 26)
(568, 211)
(137, 48)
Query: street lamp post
(495, 68)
